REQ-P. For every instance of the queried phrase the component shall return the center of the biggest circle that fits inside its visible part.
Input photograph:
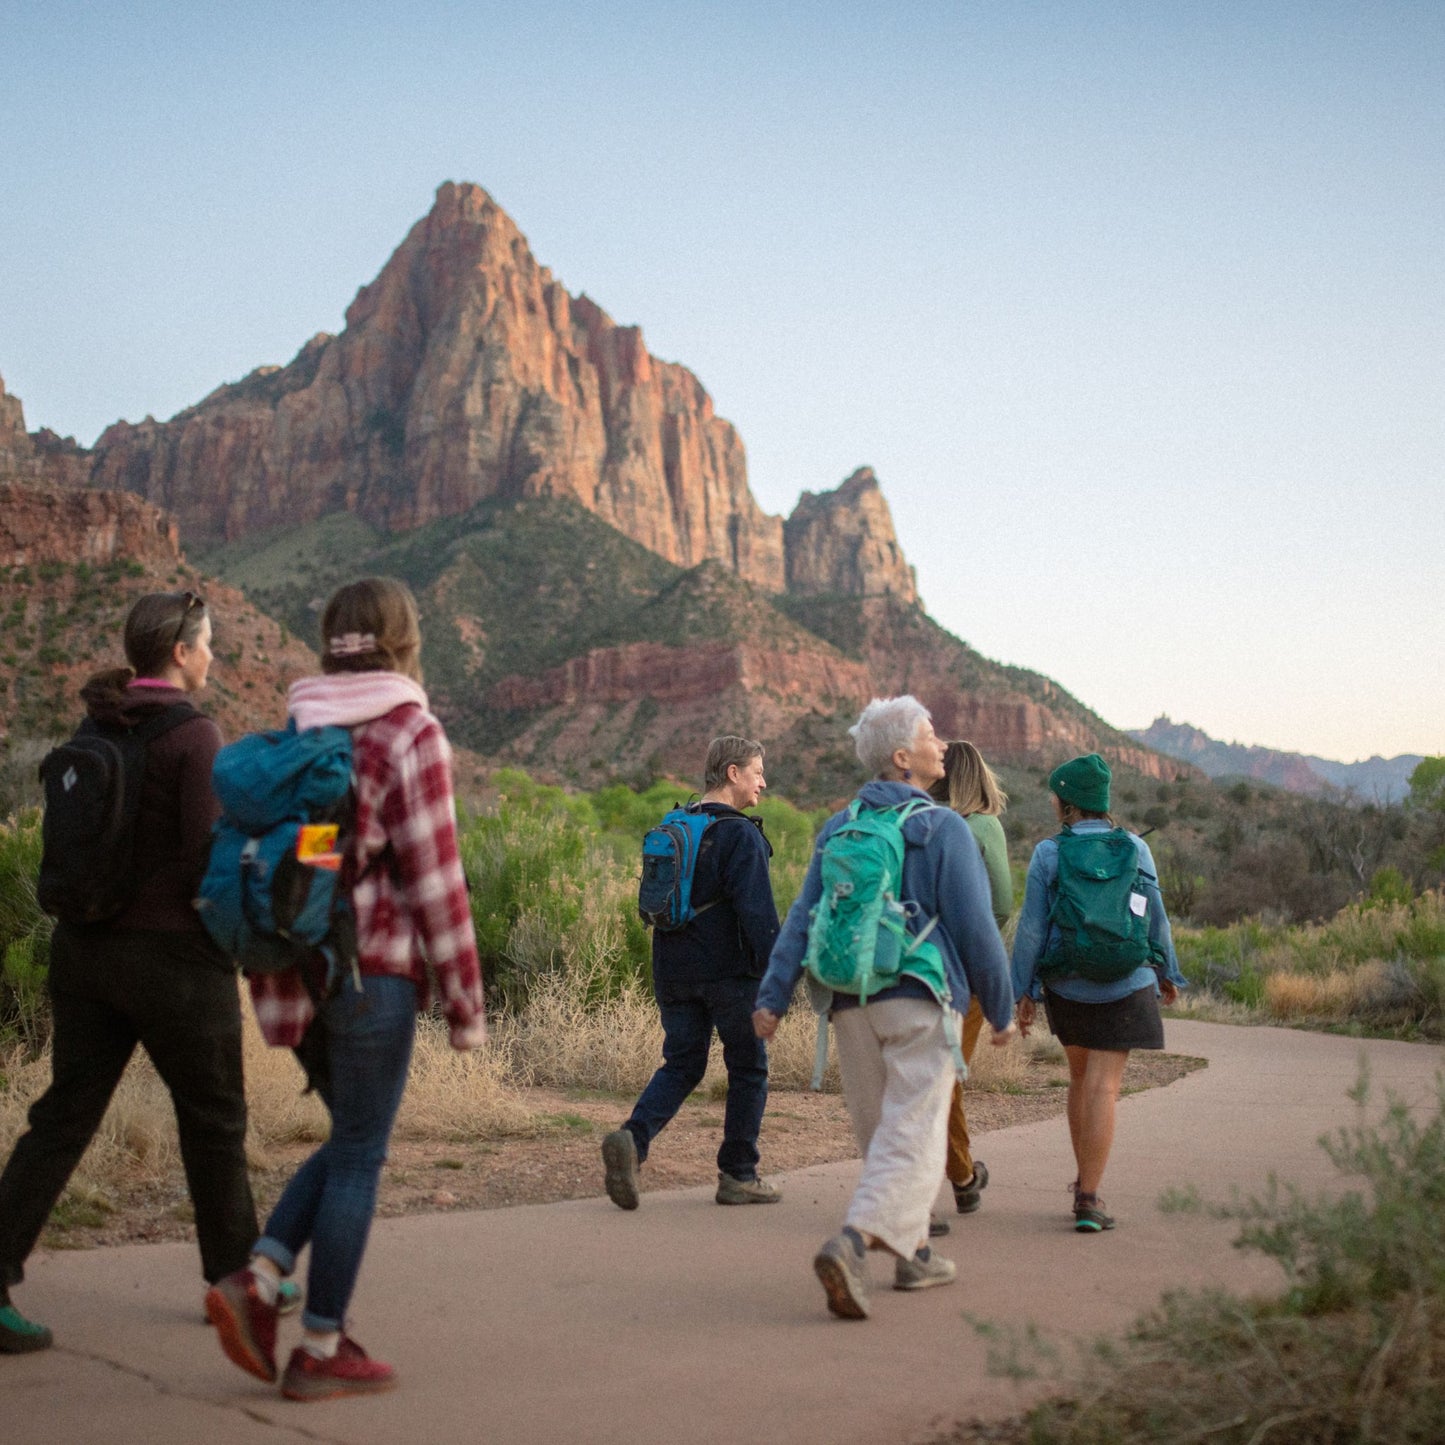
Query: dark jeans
(173, 994)
(332, 1197)
(690, 1012)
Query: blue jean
(690, 1012)
(331, 1198)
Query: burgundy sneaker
(245, 1324)
(350, 1371)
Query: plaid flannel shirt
(411, 907)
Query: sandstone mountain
(601, 588)
(1379, 779)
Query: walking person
(893, 1047)
(969, 787)
(705, 975)
(147, 974)
(409, 900)
(1093, 938)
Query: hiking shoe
(245, 1324)
(842, 1266)
(288, 1298)
(966, 1196)
(350, 1371)
(1089, 1216)
(619, 1157)
(924, 1270)
(732, 1190)
(19, 1336)
(938, 1226)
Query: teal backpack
(1100, 915)
(859, 942)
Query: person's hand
(469, 1036)
(1003, 1037)
(1026, 1011)
(1168, 992)
(765, 1023)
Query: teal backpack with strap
(1100, 915)
(859, 942)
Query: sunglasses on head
(192, 601)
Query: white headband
(351, 644)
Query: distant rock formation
(44, 525)
(843, 542)
(465, 372)
(1376, 779)
(37, 456)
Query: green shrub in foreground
(1353, 1351)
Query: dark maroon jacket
(177, 806)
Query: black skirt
(1132, 1022)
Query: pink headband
(351, 644)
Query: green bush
(1352, 1351)
(24, 935)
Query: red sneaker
(350, 1371)
(245, 1324)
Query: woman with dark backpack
(144, 973)
(1093, 937)
(409, 900)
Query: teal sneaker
(288, 1298)
(1089, 1216)
(19, 1336)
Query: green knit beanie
(1084, 782)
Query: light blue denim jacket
(1035, 933)
(943, 874)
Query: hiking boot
(938, 1226)
(924, 1270)
(350, 1371)
(619, 1157)
(288, 1298)
(842, 1266)
(245, 1324)
(732, 1190)
(966, 1196)
(19, 1336)
(1089, 1216)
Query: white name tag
(1138, 904)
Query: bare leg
(1094, 1079)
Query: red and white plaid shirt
(411, 906)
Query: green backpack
(859, 942)
(1101, 911)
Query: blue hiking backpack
(669, 858)
(273, 896)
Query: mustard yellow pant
(959, 1166)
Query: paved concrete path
(684, 1322)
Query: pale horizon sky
(1136, 309)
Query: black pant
(175, 996)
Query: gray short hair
(884, 726)
(725, 752)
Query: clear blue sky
(1136, 309)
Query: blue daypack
(669, 857)
(272, 896)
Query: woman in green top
(969, 787)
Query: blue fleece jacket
(943, 874)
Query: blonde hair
(372, 626)
(968, 784)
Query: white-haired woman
(893, 1048)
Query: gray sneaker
(731, 1190)
(926, 1269)
(619, 1157)
(842, 1266)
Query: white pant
(897, 1081)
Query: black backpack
(92, 798)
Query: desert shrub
(24, 936)
(1352, 1351)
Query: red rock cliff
(843, 542)
(465, 372)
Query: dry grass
(1336, 996)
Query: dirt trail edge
(685, 1321)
